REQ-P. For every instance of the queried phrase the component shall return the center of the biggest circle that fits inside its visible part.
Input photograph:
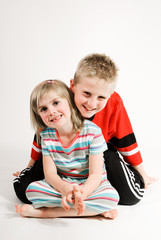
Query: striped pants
(103, 199)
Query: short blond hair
(97, 65)
(64, 92)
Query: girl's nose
(51, 110)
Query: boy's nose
(92, 103)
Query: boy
(93, 87)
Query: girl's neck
(66, 134)
(67, 137)
(66, 130)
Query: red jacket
(116, 128)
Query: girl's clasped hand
(73, 194)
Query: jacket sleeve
(36, 152)
(123, 138)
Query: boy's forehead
(97, 87)
(93, 83)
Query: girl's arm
(52, 178)
(147, 179)
(95, 174)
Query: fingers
(152, 180)
(148, 181)
(78, 203)
(145, 185)
(16, 174)
(70, 198)
(64, 203)
(74, 196)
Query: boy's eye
(55, 103)
(101, 98)
(87, 93)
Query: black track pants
(27, 176)
(124, 178)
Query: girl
(75, 178)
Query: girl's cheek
(43, 117)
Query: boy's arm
(36, 154)
(125, 142)
(36, 151)
(30, 164)
(122, 135)
(95, 174)
(117, 129)
(147, 179)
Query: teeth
(90, 109)
(55, 118)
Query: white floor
(136, 222)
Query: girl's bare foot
(27, 210)
(111, 214)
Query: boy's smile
(90, 95)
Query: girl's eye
(43, 109)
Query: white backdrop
(42, 39)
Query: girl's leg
(47, 202)
(27, 210)
(124, 178)
(102, 200)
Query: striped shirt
(73, 160)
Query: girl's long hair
(63, 91)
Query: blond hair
(63, 91)
(97, 65)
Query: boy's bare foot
(27, 210)
(111, 214)
(78, 200)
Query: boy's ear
(72, 84)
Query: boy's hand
(149, 180)
(16, 174)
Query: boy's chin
(88, 115)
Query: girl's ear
(72, 85)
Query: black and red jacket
(116, 128)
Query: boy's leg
(27, 176)
(124, 178)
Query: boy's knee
(20, 189)
(132, 200)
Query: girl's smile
(56, 118)
(55, 111)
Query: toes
(111, 214)
(18, 208)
